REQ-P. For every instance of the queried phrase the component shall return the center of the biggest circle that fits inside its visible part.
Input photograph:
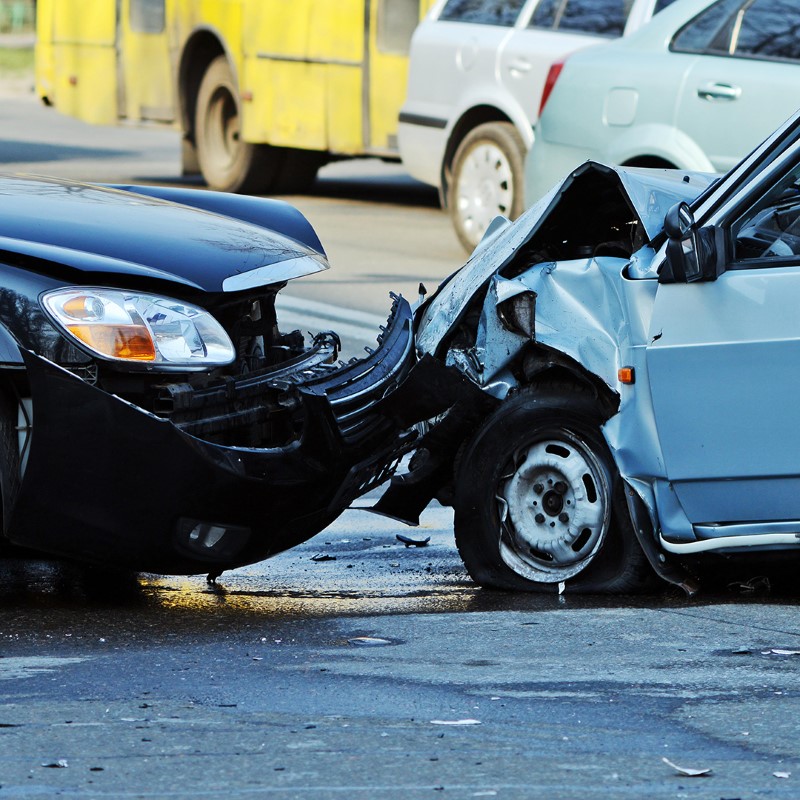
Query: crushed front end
(205, 472)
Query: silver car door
(723, 361)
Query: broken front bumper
(108, 482)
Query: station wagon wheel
(486, 180)
(227, 162)
(538, 503)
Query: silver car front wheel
(538, 501)
(554, 507)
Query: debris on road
(323, 557)
(779, 651)
(369, 641)
(409, 542)
(455, 722)
(688, 772)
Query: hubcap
(554, 508)
(484, 188)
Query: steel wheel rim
(554, 508)
(485, 188)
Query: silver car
(477, 70)
(696, 89)
(624, 380)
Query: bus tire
(228, 163)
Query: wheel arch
(201, 48)
(477, 115)
(656, 141)
(13, 387)
(542, 366)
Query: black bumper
(110, 483)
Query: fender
(658, 140)
(10, 351)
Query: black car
(152, 413)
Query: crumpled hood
(649, 192)
(96, 229)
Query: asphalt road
(354, 666)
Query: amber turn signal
(626, 375)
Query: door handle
(718, 91)
(520, 66)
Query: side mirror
(683, 246)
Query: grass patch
(16, 61)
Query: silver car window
(764, 29)
(770, 229)
(768, 29)
(705, 31)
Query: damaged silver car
(622, 382)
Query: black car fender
(10, 351)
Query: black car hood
(102, 230)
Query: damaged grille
(265, 408)
(353, 390)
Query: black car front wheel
(538, 506)
(9, 469)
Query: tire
(538, 501)
(9, 474)
(229, 164)
(487, 180)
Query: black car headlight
(141, 328)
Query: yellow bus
(264, 91)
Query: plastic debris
(781, 774)
(323, 557)
(60, 764)
(409, 542)
(455, 722)
(758, 584)
(688, 772)
(369, 641)
(779, 651)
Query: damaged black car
(153, 414)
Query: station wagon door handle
(718, 91)
(519, 66)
